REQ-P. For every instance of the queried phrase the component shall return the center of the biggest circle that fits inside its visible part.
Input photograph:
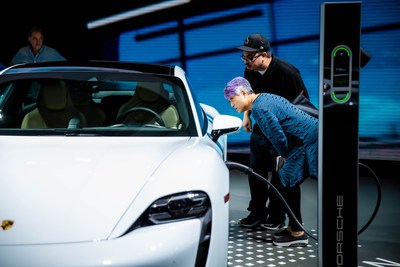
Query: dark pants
(262, 160)
(292, 197)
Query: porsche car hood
(57, 189)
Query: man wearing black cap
(267, 74)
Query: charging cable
(378, 203)
(247, 170)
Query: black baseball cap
(254, 43)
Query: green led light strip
(343, 100)
(337, 49)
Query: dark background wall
(64, 23)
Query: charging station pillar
(340, 32)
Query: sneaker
(282, 233)
(291, 241)
(250, 221)
(273, 226)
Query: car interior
(150, 102)
(55, 108)
(38, 104)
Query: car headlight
(180, 206)
(172, 208)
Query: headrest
(149, 91)
(54, 95)
(81, 96)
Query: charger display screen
(341, 67)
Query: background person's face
(36, 41)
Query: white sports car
(110, 164)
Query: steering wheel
(156, 116)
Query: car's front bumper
(172, 244)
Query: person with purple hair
(294, 135)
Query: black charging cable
(247, 170)
(378, 202)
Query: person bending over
(294, 135)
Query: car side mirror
(225, 124)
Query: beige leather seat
(54, 108)
(151, 95)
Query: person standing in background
(36, 51)
(267, 74)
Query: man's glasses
(250, 58)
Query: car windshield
(97, 103)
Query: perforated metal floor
(379, 244)
(254, 248)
